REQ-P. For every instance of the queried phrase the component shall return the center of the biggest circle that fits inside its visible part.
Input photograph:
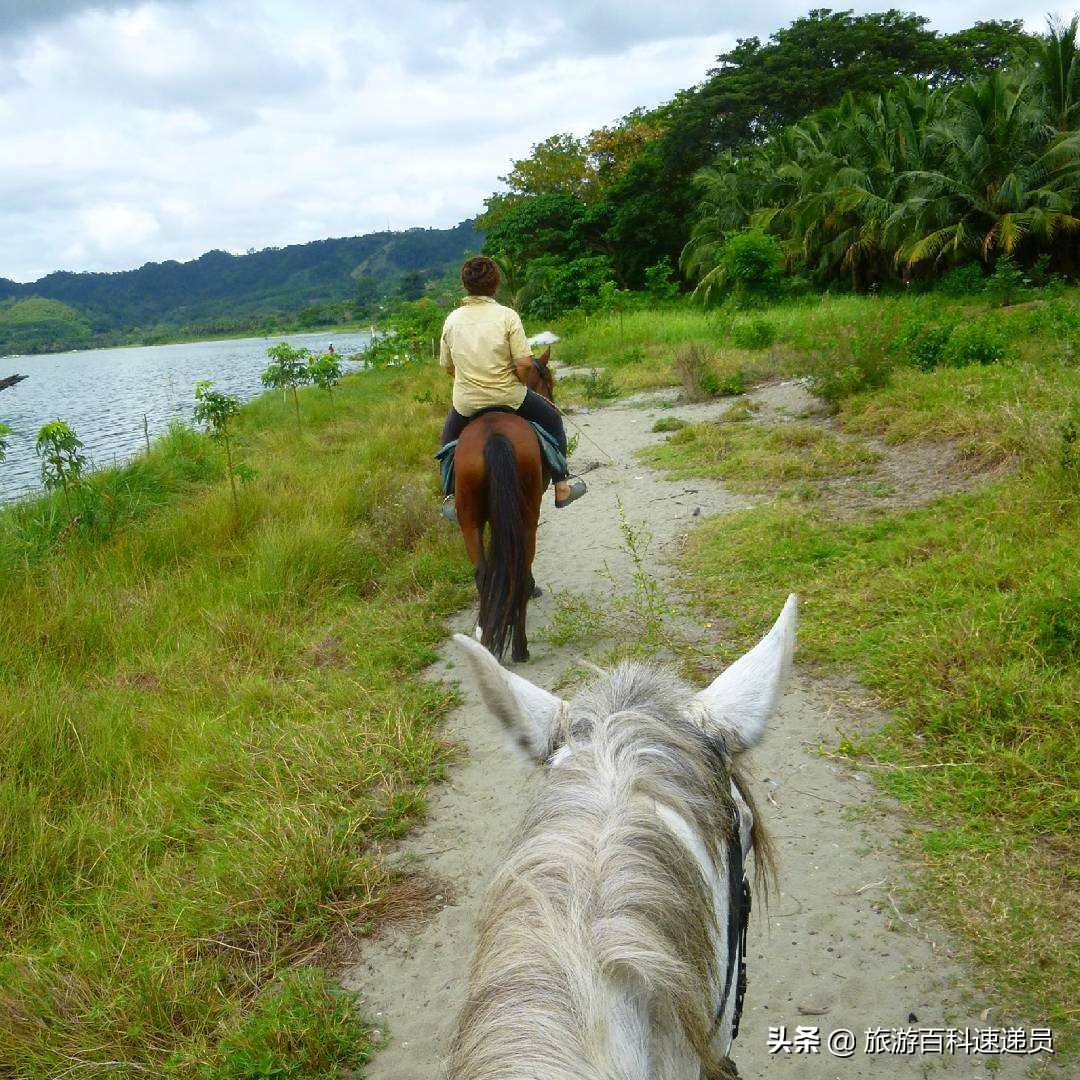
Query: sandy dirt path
(832, 950)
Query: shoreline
(340, 328)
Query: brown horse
(500, 477)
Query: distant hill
(222, 291)
(39, 325)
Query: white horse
(611, 941)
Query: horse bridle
(739, 902)
(544, 375)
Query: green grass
(755, 457)
(207, 726)
(963, 617)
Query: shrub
(1006, 283)
(659, 283)
(964, 280)
(923, 344)
(62, 460)
(857, 362)
(600, 386)
(627, 358)
(288, 371)
(753, 334)
(325, 371)
(554, 286)
(217, 411)
(974, 343)
(732, 386)
(751, 263)
(698, 379)
(5, 431)
(748, 267)
(668, 423)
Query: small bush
(965, 280)
(698, 379)
(1006, 283)
(600, 386)
(626, 358)
(668, 423)
(923, 344)
(858, 362)
(659, 280)
(753, 334)
(974, 343)
(732, 386)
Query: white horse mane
(602, 947)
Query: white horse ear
(527, 711)
(743, 696)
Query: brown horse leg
(520, 650)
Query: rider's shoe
(449, 510)
(577, 489)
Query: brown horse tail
(503, 580)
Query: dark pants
(535, 408)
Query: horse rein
(739, 903)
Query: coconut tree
(996, 182)
(1057, 75)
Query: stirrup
(577, 489)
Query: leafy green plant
(974, 343)
(858, 361)
(572, 444)
(669, 423)
(324, 371)
(659, 280)
(600, 386)
(288, 372)
(62, 461)
(626, 358)
(966, 280)
(923, 344)
(217, 411)
(5, 431)
(730, 385)
(747, 264)
(753, 333)
(1006, 283)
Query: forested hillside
(845, 151)
(319, 282)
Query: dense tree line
(308, 284)
(623, 203)
(914, 180)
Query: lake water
(104, 394)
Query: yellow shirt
(481, 340)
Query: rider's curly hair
(480, 276)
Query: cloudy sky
(134, 131)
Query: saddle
(549, 448)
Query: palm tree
(996, 182)
(1057, 73)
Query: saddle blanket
(553, 456)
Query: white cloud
(137, 131)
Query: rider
(485, 350)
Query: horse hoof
(536, 593)
(520, 659)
